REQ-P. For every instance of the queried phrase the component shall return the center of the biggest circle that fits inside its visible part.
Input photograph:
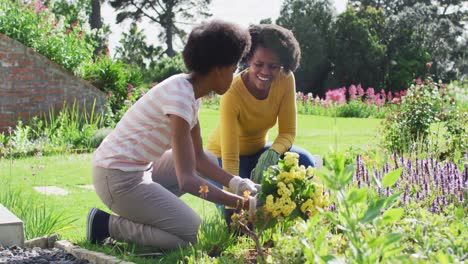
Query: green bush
(408, 127)
(164, 68)
(116, 79)
(37, 28)
(99, 136)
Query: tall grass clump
(39, 218)
(72, 129)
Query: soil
(250, 256)
(18, 255)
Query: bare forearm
(213, 171)
(213, 194)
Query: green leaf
(373, 211)
(391, 178)
(442, 258)
(391, 199)
(357, 196)
(328, 258)
(392, 238)
(393, 215)
(319, 240)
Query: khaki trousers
(149, 210)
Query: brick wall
(31, 84)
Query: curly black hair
(215, 43)
(278, 39)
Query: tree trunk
(96, 22)
(170, 31)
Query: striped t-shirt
(143, 134)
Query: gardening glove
(239, 186)
(268, 158)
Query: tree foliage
(168, 14)
(311, 21)
(360, 52)
(134, 50)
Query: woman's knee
(192, 234)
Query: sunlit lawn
(72, 172)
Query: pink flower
(130, 87)
(39, 6)
(419, 81)
(75, 23)
(370, 92)
(68, 31)
(378, 102)
(337, 95)
(10, 130)
(396, 100)
(352, 91)
(360, 90)
(389, 96)
(429, 64)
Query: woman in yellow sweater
(261, 95)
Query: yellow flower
(308, 205)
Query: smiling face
(264, 66)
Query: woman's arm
(229, 133)
(286, 117)
(183, 149)
(203, 164)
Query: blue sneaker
(97, 227)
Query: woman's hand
(239, 186)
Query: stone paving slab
(51, 190)
(91, 256)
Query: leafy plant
(113, 78)
(39, 219)
(36, 27)
(408, 126)
(361, 215)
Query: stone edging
(91, 256)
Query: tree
(359, 54)
(133, 49)
(166, 13)
(311, 21)
(95, 21)
(425, 29)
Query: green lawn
(315, 133)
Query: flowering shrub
(291, 191)
(36, 27)
(408, 128)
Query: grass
(72, 172)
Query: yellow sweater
(245, 121)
